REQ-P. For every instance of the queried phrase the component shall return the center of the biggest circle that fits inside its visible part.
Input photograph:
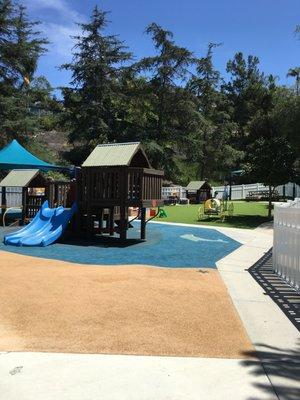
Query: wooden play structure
(198, 191)
(114, 178)
(215, 208)
(34, 189)
(115, 185)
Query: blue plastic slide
(46, 227)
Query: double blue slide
(46, 227)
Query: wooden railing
(152, 184)
(58, 194)
(33, 204)
(119, 186)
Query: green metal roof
(113, 154)
(195, 185)
(19, 177)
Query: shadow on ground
(237, 221)
(282, 367)
(285, 296)
(98, 241)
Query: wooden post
(143, 223)
(24, 204)
(111, 221)
(101, 221)
(89, 224)
(89, 217)
(3, 202)
(123, 223)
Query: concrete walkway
(43, 376)
(275, 338)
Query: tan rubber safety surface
(55, 306)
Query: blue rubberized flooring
(171, 246)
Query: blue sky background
(264, 28)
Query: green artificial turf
(245, 215)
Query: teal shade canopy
(15, 156)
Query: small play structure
(113, 182)
(198, 191)
(114, 178)
(215, 208)
(34, 190)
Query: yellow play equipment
(215, 208)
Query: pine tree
(210, 142)
(6, 12)
(90, 114)
(20, 48)
(170, 103)
(248, 90)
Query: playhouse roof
(19, 177)
(196, 185)
(15, 156)
(114, 154)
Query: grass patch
(246, 215)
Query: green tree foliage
(210, 143)
(295, 73)
(20, 48)
(271, 160)
(248, 90)
(90, 113)
(272, 156)
(194, 123)
(286, 118)
(171, 106)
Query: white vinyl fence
(239, 192)
(167, 191)
(286, 246)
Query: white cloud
(60, 6)
(57, 26)
(60, 37)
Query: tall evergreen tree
(20, 48)
(210, 143)
(248, 90)
(90, 114)
(6, 25)
(170, 102)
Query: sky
(264, 28)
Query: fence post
(3, 202)
(294, 191)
